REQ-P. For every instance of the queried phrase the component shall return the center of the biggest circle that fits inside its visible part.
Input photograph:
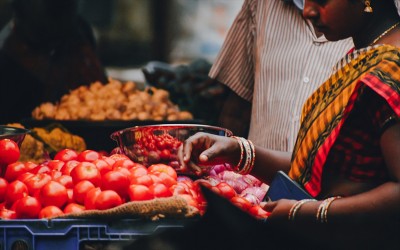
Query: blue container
(70, 234)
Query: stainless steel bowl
(159, 143)
(13, 133)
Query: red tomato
(3, 188)
(102, 165)
(80, 191)
(241, 202)
(68, 166)
(88, 155)
(259, 212)
(42, 168)
(160, 144)
(179, 188)
(30, 165)
(66, 155)
(6, 214)
(14, 170)
(124, 163)
(151, 146)
(23, 177)
(142, 180)
(65, 180)
(165, 154)
(54, 174)
(117, 181)
(139, 193)
(109, 160)
(227, 190)
(54, 193)
(86, 171)
(108, 199)
(55, 164)
(36, 182)
(27, 207)
(124, 171)
(135, 165)
(159, 190)
(15, 191)
(70, 193)
(117, 157)
(50, 212)
(187, 181)
(9, 152)
(155, 178)
(187, 187)
(73, 208)
(162, 168)
(166, 179)
(138, 171)
(103, 153)
(90, 199)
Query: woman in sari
(347, 154)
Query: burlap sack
(171, 207)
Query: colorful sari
(326, 110)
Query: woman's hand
(204, 149)
(279, 209)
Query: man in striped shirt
(272, 60)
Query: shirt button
(306, 79)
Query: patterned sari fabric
(327, 109)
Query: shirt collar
(298, 3)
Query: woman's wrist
(246, 156)
(310, 210)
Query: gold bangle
(247, 162)
(319, 211)
(296, 206)
(253, 155)
(323, 209)
(241, 154)
(325, 212)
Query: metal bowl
(159, 143)
(13, 133)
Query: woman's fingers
(269, 206)
(203, 149)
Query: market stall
(77, 196)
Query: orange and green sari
(326, 110)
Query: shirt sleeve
(234, 65)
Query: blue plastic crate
(69, 234)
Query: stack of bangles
(247, 156)
(322, 212)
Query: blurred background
(167, 44)
(130, 33)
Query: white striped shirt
(272, 57)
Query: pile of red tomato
(157, 148)
(74, 182)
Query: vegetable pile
(112, 101)
(73, 182)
